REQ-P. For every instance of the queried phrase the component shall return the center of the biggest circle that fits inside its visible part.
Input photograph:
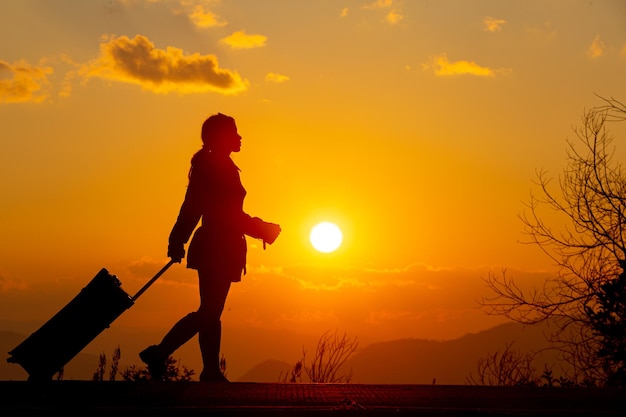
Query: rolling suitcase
(97, 305)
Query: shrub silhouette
(331, 353)
(174, 371)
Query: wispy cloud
(394, 17)
(389, 301)
(444, 68)
(383, 316)
(344, 12)
(544, 32)
(241, 40)
(138, 61)
(276, 78)
(493, 25)
(7, 284)
(365, 280)
(22, 82)
(202, 17)
(597, 47)
(379, 4)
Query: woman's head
(219, 132)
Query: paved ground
(88, 398)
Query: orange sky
(416, 126)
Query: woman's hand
(176, 252)
(266, 231)
(272, 231)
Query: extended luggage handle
(154, 278)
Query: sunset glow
(415, 127)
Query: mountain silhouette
(271, 370)
(418, 361)
(405, 361)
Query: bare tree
(507, 368)
(589, 249)
(331, 353)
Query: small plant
(223, 366)
(98, 375)
(115, 363)
(296, 374)
(548, 377)
(135, 373)
(173, 372)
(331, 354)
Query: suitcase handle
(154, 278)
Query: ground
(261, 399)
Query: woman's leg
(179, 334)
(213, 292)
(156, 356)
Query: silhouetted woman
(218, 247)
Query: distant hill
(415, 361)
(419, 361)
(268, 371)
(407, 361)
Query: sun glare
(326, 237)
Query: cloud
(204, 18)
(241, 40)
(344, 12)
(276, 78)
(379, 4)
(597, 47)
(623, 52)
(493, 25)
(381, 316)
(21, 82)
(444, 68)
(389, 302)
(307, 317)
(144, 267)
(7, 284)
(364, 280)
(543, 33)
(137, 61)
(394, 17)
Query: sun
(326, 237)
